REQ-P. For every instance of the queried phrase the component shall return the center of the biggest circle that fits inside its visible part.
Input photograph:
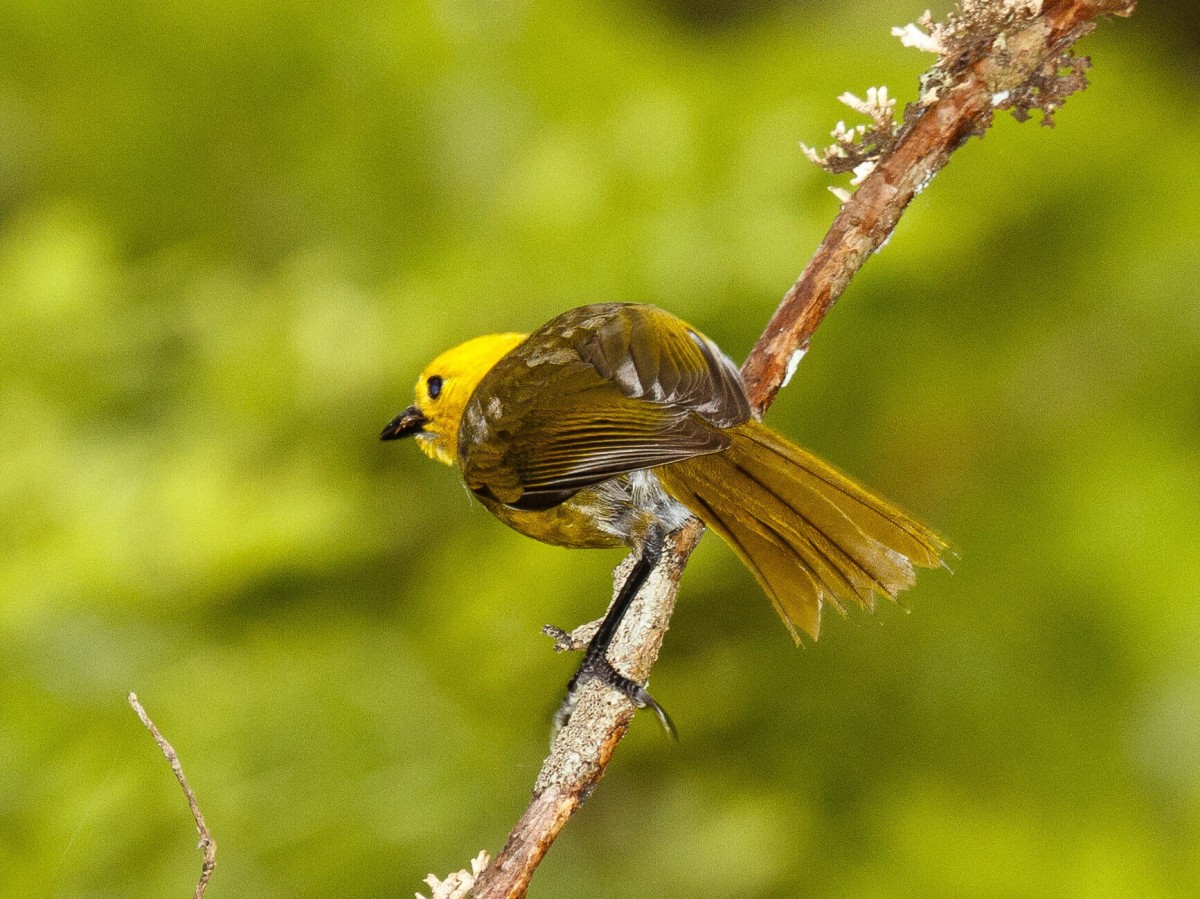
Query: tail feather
(772, 563)
(809, 534)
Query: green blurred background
(231, 235)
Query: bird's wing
(597, 392)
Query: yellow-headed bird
(611, 423)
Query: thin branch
(993, 54)
(207, 844)
(990, 71)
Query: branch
(992, 54)
(207, 844)
(989, 62)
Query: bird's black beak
(407, 423)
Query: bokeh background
(232, 233)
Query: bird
(612, 425)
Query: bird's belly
(616, 512)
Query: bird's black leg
(596, 666)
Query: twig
(207, 844)
(991, 52)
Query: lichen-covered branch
(1005, 54)
(992, 54)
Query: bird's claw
(597, 667)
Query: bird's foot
(596, 667)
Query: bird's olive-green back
(597, 392)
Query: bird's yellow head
(442, 393)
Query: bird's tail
(809, 534)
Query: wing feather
(598, 392)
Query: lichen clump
(1001, 40)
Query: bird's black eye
(434, 386)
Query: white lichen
(793, 361)
(878, 107)
(459, 884)
(813, 156)
(912, 36)
(861, 171)
(846, 136)
(841, 193)
(857, 148)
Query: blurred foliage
(230, 236)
